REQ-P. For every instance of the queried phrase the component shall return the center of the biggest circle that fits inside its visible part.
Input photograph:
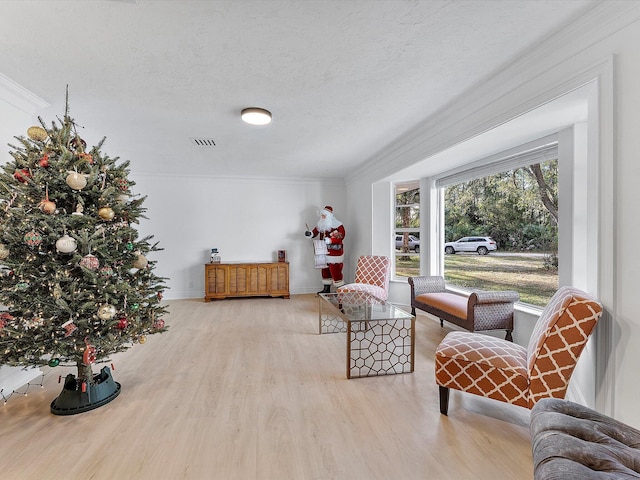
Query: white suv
(482, 245)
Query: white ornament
(66, 244)
(76, 180)
(106, 312)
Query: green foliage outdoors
(516, 208)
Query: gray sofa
(573, 442)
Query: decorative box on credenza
(240, 279)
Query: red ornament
(158, 324)
(22, 175)
(122, 323)
(89, 355)
(87, 157)
(90, 261)
(44, 161)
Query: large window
(406, 239)
(501, 232)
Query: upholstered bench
(479, 311)
(571, 442)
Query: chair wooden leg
(508, 336)
(444, 399)
(413, 311)
(441, 323)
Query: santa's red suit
(332, 231)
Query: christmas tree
(76, 283)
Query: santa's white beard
(328, 223)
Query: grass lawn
(522, 272)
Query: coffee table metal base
(375, 345)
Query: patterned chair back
(557, 341)
(374, 270)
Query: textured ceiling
(342, 78)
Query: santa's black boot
(325, 289)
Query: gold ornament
(76, 181)
(37, 133)
(106, 213)
(140, 262)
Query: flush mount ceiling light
(256, 116)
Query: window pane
(517, 210)
(407, 230)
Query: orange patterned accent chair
(505, 371)
(372, 276)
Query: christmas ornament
(159, 295)
(77, 143)
(142, 339)
(140, 262)
(122, 184)
(106, 271)
(4, 251)
(76, 181)
(46, 205)
(122, 323)
(106, 312)
(106, 213)
(79, 210)
(87, 157)
(37, 133)
(66, 244)
(122, 198)
(44, 161)
(89, 355)
(54, 362)
(22, 175)
(69, 327)
(135, 307)
(129, 246)
(158, 324)
(90, 261)
(33, 238)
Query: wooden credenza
(235, 279)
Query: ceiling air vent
(203, 142)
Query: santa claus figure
(332, 231)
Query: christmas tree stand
(78, 397)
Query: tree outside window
(519, 210)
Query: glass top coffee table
(380, 336)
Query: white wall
(582, 52)
(247, 219)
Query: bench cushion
(451, 303)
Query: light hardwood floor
(247, 389)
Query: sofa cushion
(571, 442)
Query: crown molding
(19, 97)
(454, 123)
